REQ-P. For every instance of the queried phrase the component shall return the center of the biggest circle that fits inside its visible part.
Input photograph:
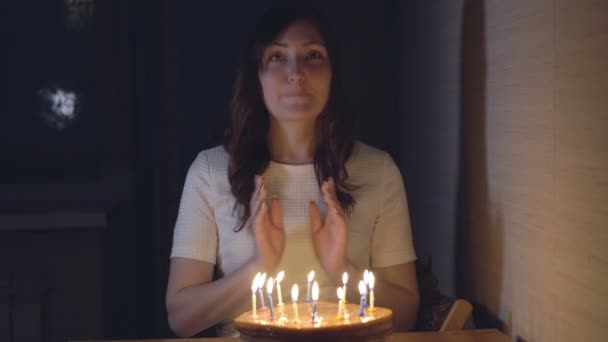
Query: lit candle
(294, 300)
(280, 277)
(269, 286)
(366, 281)
(372, 281)
(340, 303)
(363, 292)
(344, 281)
(315, 298)
(261, 281)
(254, 288)
(311, 276)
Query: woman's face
(296, 73)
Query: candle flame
(344, 278)
(315, 291)
(294, 293)
(311, 276)
(262, 279)
(269, 285)
(254, 284)
(366, 276)
(340, 293)
(280, 276)
(362, 288)
(372, 280)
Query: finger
(331, 201)
(332, 185)
(337, 212)
(327, 194)
(259, 199)
(276, 215)
(260, 217)
(315, 216)
(327, 199)
(334, 208)
(330, 189)
(325, 189)
(256, 190)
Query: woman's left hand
(329, 234)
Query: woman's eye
(275, 57)
(315, 55)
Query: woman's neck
(291, 142)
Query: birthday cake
(296, 322)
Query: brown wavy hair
(246, 139)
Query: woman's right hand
(267, 227)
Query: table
(481, 335)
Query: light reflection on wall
(79, 11)
(58, 107)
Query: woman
(290, 190)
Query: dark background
(87, 212)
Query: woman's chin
(297, 114)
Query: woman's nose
(296, 78)
(295, 72)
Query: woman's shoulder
(218, 153)
(371, 166)
(212, 160)
(369, 155)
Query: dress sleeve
(392, 237)
(195, 234)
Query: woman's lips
(296, 93)
(296, 99)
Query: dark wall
(431, 128)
